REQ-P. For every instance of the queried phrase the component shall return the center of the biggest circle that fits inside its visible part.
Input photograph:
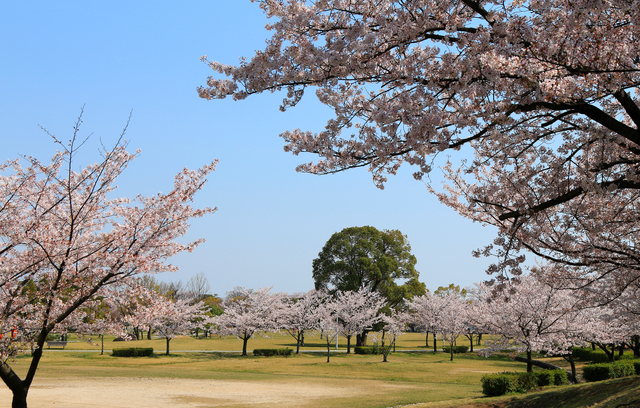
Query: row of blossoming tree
(537, 317)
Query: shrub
(456, 349)
(272, 352)
(494, 385)
(545, 378)
(605, 371)
(132, 352)
(366, 350)
(560, 377)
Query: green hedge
(272, 352)
(605, 371)
(456, 349)
(494, 385)
(132, 352)
(366, 350)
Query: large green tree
(365, 258)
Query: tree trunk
(634, 344)
(102, 344)
(301, 338)
(384, 350)
(426, 340)
(16, 385)
(572, 363)
(168, 340)
(349, 344)
(361, 339)
(149, 334)
(529, 362)
(479, 339)
(298, 342)
(435, 342)
(245, 339)
(328, 347)
(451, 350)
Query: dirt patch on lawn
(175, 393)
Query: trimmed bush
(272, 352)
(132, 352)
(366, 350)
(560, 377)
(545, 378)
(494, 385)
(456, 349)
(605, 371)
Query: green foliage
(605, 371)
(494, 385)
(587, 354)
(363, 257)
(451, 289)
(551, 377)
(456, 349)
(367, 350)
(132, 352)
(272, 352)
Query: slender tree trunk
(634, 344)
(435, 342)
(302, 338)
(621, 350)
(298, 343)
(349, 344)
(572, 363)
(149, 334)
(529, 362)
(451, 349)
(245, 339)
(479, 339)
(328, 347)
(102, 344)
(384, 350)
(426, 340)
(168, 340)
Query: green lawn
(409, 341)
(410, 377)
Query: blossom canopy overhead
(545, 93)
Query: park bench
(62, 344)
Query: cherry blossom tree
(357, 311)
(169, 318)
(301, 314)
(66, 239)
(445, 314)
(248, 312)
(328, 323)
(545, 94)
(394, 326)
(535, 317)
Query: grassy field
(410, 377)
(409, 341)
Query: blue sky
(114, 57)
